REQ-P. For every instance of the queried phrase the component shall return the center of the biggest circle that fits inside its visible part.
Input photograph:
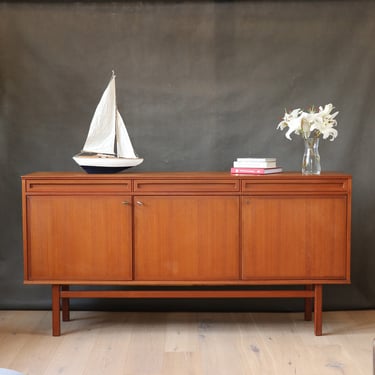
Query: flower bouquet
(310, 126)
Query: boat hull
(101, 170)
(100, 164)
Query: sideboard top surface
(182, 175)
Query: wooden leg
(308, 305)
(56, 329)
(65, 305)
(318, 302)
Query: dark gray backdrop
(199, 84)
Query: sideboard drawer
(77, 186)
(298, 186)
(186, 186)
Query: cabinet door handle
(140, 203)
(125, 203)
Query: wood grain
(79, 238)
(187, 343)
(294, 237)
(186, 238)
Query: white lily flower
(282, 125)
(310, 124)
(294, 127)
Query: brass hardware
(126, 203)
(139, 203)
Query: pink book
(255, 170)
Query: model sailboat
(108, 148)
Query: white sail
(101, 136)
(124, 145)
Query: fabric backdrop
(199, 83)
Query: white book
(250, 164)
(257, 160)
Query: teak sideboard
(151, 231)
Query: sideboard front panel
(200, 227)
(186, 238)
(294, 238)
(79, 238)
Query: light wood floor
(123, 343)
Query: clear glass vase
(311, 157)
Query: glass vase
(311, 157)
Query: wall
(199, 83)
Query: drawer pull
(140, 203)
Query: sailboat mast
(116, 110)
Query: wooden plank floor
(123, 343)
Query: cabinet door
(294, 238)
(186, 238)
(79, 238)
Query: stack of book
(255, 166)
